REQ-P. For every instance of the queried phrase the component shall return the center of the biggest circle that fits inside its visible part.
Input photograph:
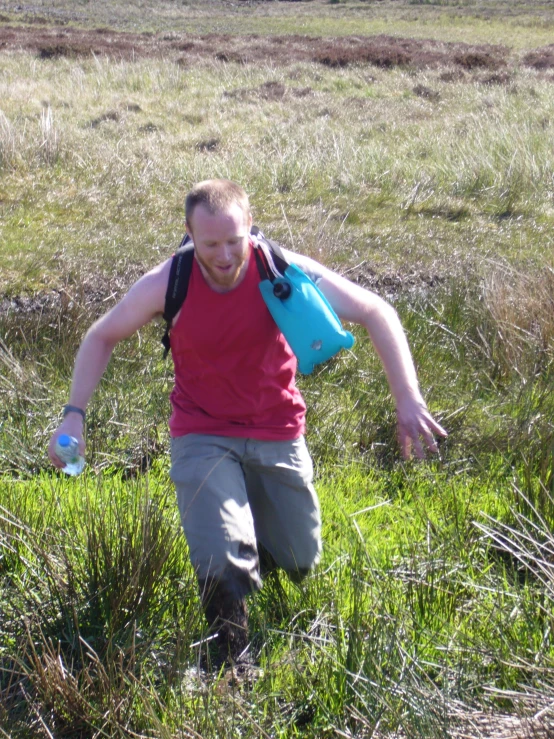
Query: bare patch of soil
(271, 90)
(425, 92)
(50, 42)
(207, 145)
(85, 286)
(394, 284)
(110, 115)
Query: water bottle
(67, 449)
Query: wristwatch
(73, 409)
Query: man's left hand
(415, 424)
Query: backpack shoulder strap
(270, 259)
(177, 286)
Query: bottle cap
(64, 440)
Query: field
(408, 145)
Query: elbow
(99, 339)
(379, 312)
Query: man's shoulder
(152, 286)
(313, 269)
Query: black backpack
(269, 259)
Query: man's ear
(188, 229)
(249, 221)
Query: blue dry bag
(304, 316)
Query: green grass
(433, 604)
(410, 611)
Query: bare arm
(358, 305)
(144, 301)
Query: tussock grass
(88, 587)
(521, 307)
(356, 160)
(7, 143)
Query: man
(238, 458)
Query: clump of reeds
(521, 304)
(8, 144)
(98, 600)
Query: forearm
(388, 338)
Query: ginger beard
(226, 274)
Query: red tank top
(234, 371)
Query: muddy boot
(228, 620)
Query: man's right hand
(72, 425)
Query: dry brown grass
(522, 307)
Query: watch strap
(74, 409)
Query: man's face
(221, 245)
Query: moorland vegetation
(408, 145)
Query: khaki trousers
(235, 494)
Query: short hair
(216, 196)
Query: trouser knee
(299, 574)
(298, 565)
